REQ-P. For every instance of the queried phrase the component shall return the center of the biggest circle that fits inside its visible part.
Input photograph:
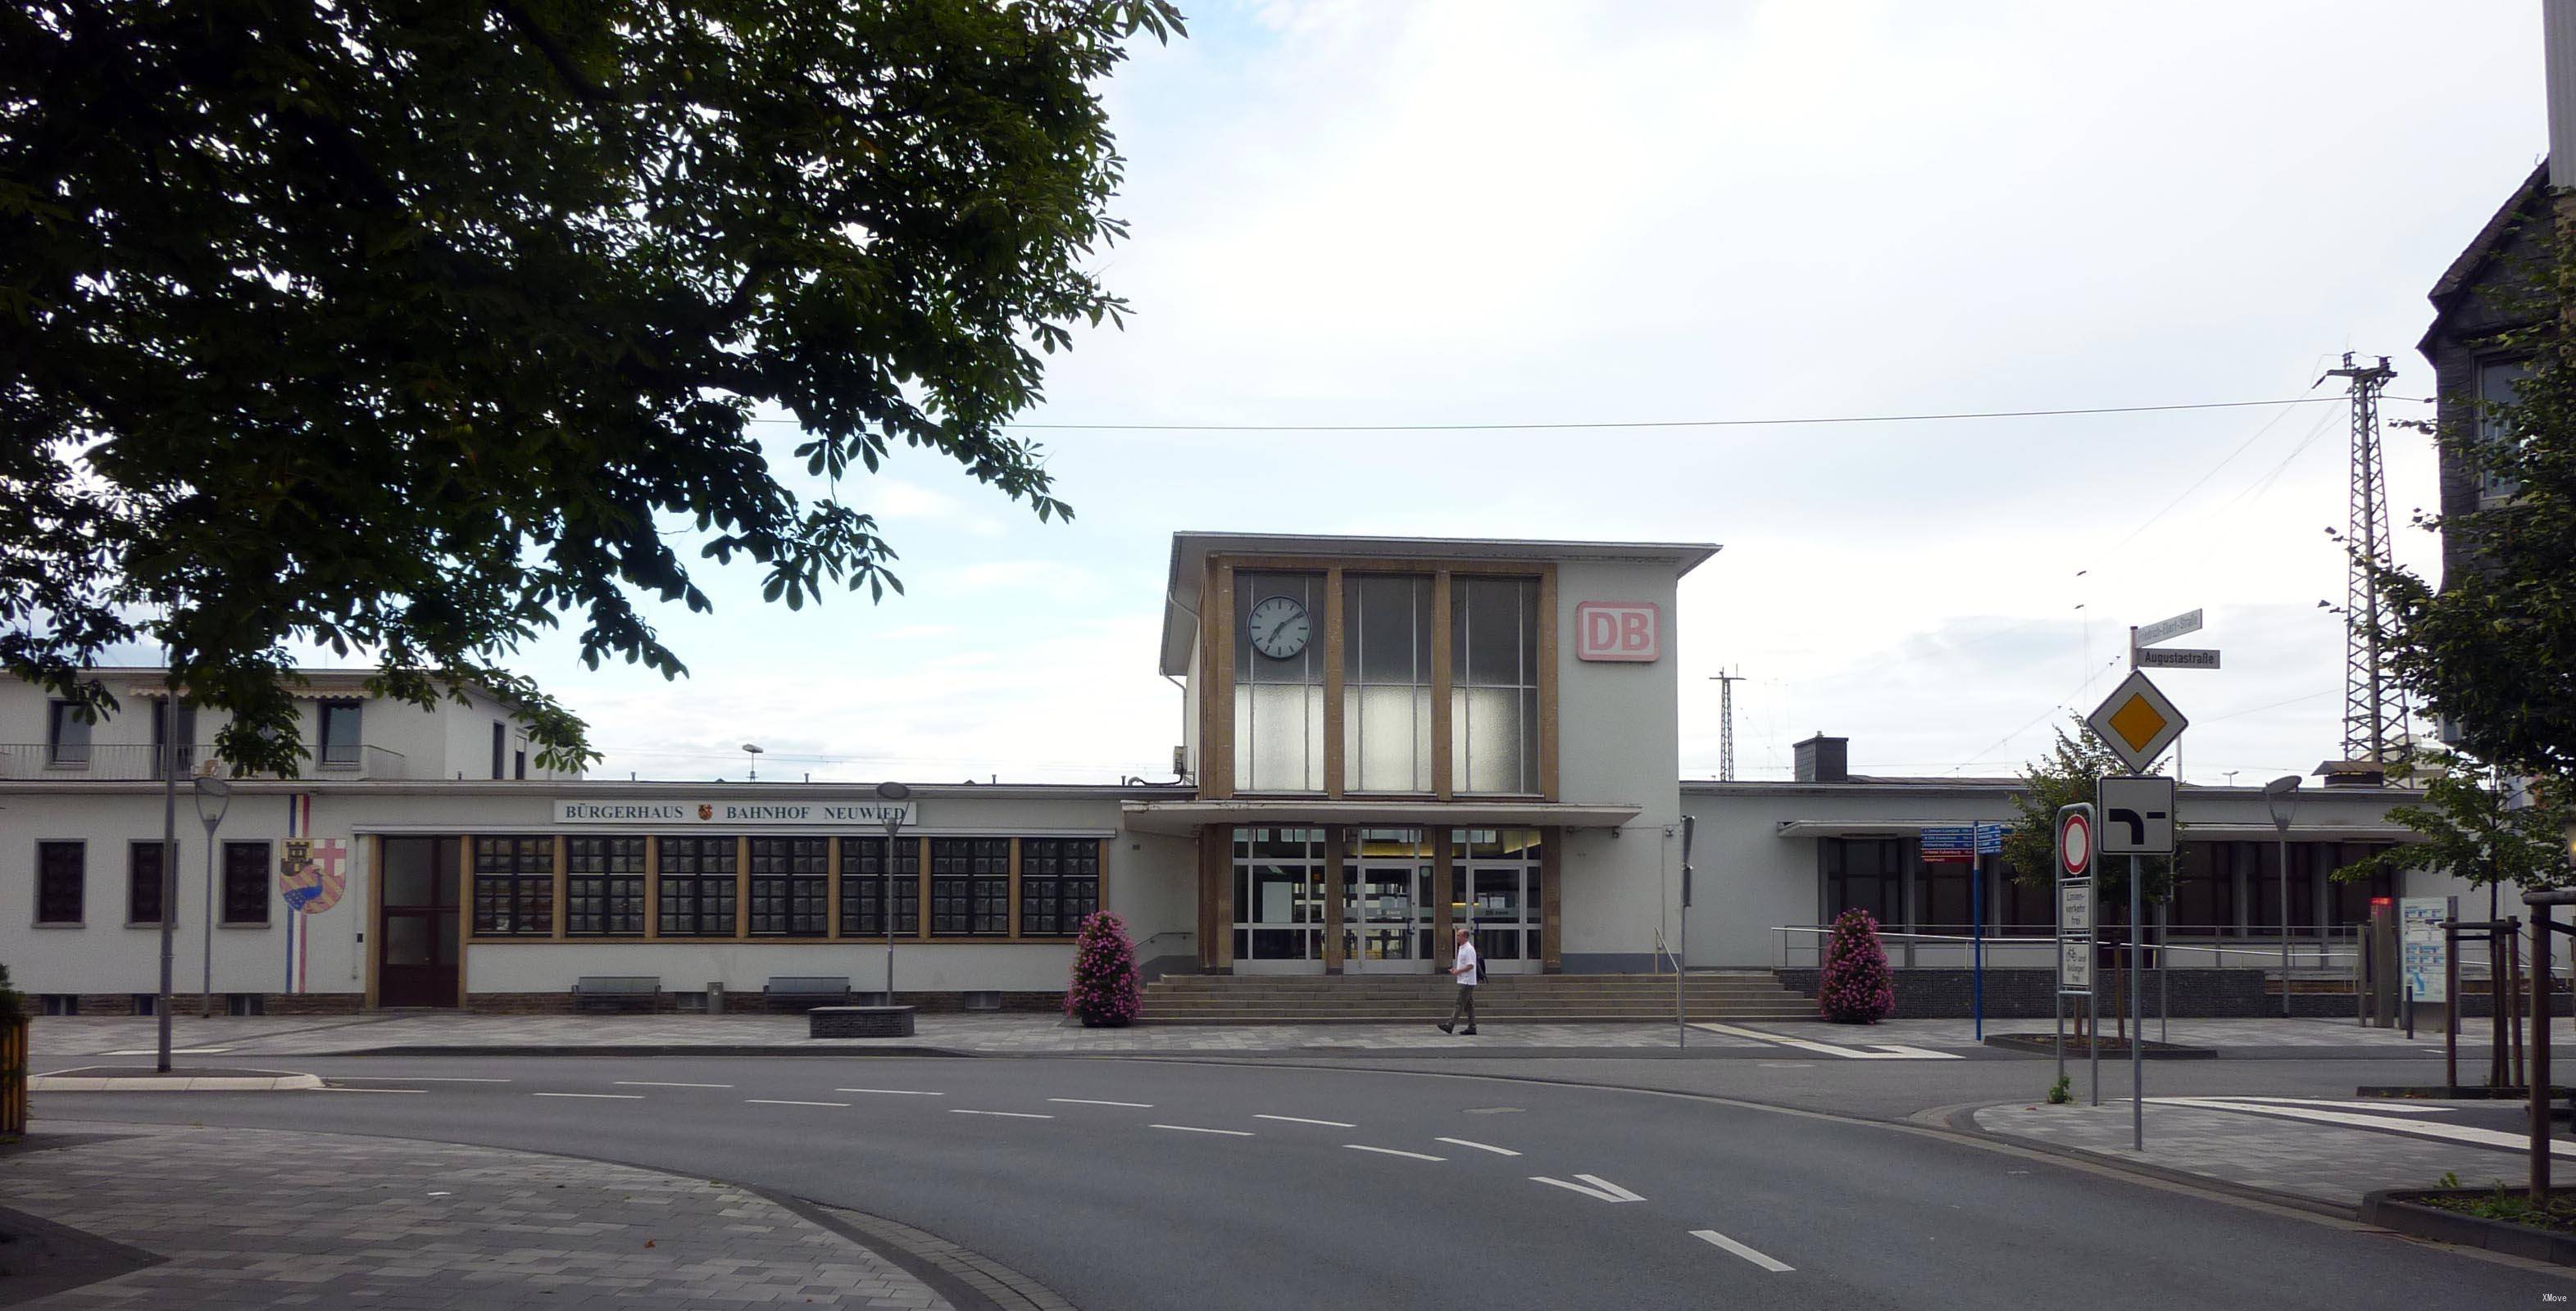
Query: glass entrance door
(1500, 880)
(1386, 902)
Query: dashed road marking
(604, 1097)
(1598, 1189)
(1389, 1151)
(1716, 1239)
(1482, 1147)
(774, 1101)
(328, 1088)
(1094, 1101)
(1299, 1119)
(412, 1078)
(1012, 1115)
(1192, 1128)
(652, 1083)
(893, 1092)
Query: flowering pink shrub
(1858, 988)
(1103, 991)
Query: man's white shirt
(1466, 974)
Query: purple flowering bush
(1103, 991)
(1858, 988)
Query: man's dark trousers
(1465, 1015)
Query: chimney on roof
(2353, 773)
(1822, 759)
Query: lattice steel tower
(1726, 725)
(2374, 707)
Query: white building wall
(1619, 743)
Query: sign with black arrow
(2137, 816)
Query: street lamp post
(213, 796)
(753, 751)
(2281, 794)
(894, 794)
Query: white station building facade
(1382, 738)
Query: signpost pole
(2137, 1023)
(1977, 912)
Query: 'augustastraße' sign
(732, 814)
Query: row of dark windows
(1869, 873)
(62, 882)
(790, 887)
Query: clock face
(1280, 627)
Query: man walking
(1464, 970)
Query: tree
(1855, 986)
(2475, 830)
(409, 330)
(2072, 772)
(1103, 989)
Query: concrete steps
(1418, 998)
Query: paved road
(1131, 1184)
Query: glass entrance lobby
(1369, 900)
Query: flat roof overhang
(1185, 817)
(2189, 832)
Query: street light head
(2282, 786)
(214, 796)
(892, 791)
(751, 748)
(2281, 796)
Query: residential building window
(1865, 874)
(1059, 884)
(698, 887)
(62, 876)
(1386, 683)
(604, 886)
(1493, 696)
(66, 734)
(143, 882)
(340, 734)
(246, 882)
(970, 886)
(863, 887)
(519, 761)
(162, 740)
(2497, 381)
(500, 749)
(514, 885)
(790, 887)
(1278, 683)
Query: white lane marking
(1884, 1052)
(2457, 1133)
(605, 1097)
(175, 1051)
(1389, 1151)
(1717, 1239)
(1482, 1147)
(2398, 1108)
(773, 1101)
(1600, 1189)
(652, 1083)
(1192, 1128)
(410, 1078)
(329, 1088)
(1014, 1115)
(893, 1092)
(1094, 1101)
(1299, 1119)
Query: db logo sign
(1619, 630)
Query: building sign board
(737, 813)
(2422, 954)
(1631, 631)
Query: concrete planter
(2399, 1209)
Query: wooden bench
(801, 992)
(617, 992)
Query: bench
(804, 992)
(617, 992)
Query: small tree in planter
(1857, 987)
(1103, 992)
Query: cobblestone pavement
(82, 1036)
(248, 1217)
(2334, 1163)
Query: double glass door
(1387, 902)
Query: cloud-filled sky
(1359, 212)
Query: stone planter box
(859, 1022)
(2398, 1209)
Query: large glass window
(245, 897)
(340, 733)
(1944, 896)
(1493, 715)
(161, 739)
(514, 885)
(61, 877)
(604, 886)
(1278, 682)
(790, 889)
(1279, 894)
(2496, 386)
(1867, 873)
(2204, 896)
(66, 734)
(143, 883)
(863, 887)
(1386, 683)
(1059, 884)
(1499, 881)
(698, 887)
(970, 886)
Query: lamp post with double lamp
(214, 796)
(2281, 794)
(894, 795)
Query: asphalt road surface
(1151, 1184)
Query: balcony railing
(125, 762)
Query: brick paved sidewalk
(247, 1217)
(89, 1036)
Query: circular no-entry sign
(2075, 845)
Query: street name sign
(2137, 722)
(2166, 630)
(2137, 816)
(2178, 657)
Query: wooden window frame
(782, 886)
(525, 887)
(982, 896)
(1074, 892)
(79, 882)
(609, 852)
(697, 880)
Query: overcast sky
(1364, 211)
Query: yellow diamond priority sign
(2137, 722)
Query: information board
(2422, 954)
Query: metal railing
(2336, 950)
(126, 762)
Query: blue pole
(1977, 904)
